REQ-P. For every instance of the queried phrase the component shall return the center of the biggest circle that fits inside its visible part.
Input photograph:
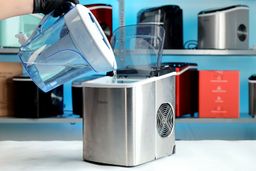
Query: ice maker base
(129, 123)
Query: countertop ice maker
(224, 28)
(129, 117)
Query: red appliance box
(186, 90)
(218, 94)
(103, 13)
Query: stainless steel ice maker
(128, 122)
(224, 28)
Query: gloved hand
(47, 6)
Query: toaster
(224, 28)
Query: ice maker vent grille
(165, 120)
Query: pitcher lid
(90, 39)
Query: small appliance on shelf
(11, 27)
(224, 28)
(171, 18)
(103, 13)
(77, 93)
(252, 95)
(31, 102)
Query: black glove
(47, 6)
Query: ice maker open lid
(138, 49)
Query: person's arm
(12, 8)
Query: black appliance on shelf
(77, 97)
(77, 93)
(31, 102)
(171, 18)
(252, 95)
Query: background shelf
(70, 118)
(66, 118)
(179, 52)
(213, 52)
(215, 120)
(9, 50)
(193, 52)
(41, 120)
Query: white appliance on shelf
(11, 27)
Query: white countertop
(67, 156)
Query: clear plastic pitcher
(64, 47)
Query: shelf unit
(196, 52)
(174, 52)
(73, 119)
(215, 120)
(80, 120)
(177, 52)
(41, 120)
(66, 118)
(209, 52)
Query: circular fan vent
(165, 120)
